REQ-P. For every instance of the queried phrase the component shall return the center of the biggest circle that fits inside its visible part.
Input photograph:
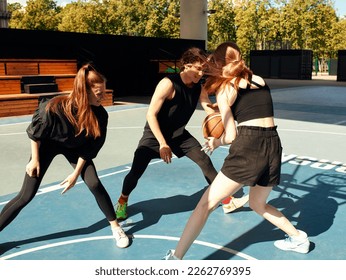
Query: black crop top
(253, 103)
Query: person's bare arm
(164, 90)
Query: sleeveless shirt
(176, 113)
(253, 103)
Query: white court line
(57, 186)
(109, 112)
(87, 239)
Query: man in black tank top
(172, 105)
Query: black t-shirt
(48, 126)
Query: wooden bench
(26, 104)
(23, 67)
(64, 81)
(56, 67)
(10, 85)
(2, 68)
(13, 100)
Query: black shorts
(180, 145)
(254, 157)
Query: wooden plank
(58, 67)
(22, 68)
(10, 86)
(2, 68)
(64, 83)
(37, 66)
(18, 107)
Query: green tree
(253, 24)
(337, 37)
(151, 18)
(11, 7)
(306, 24)
(129, 15)
(221, 23)
(85, 17)
(162, 19)
(17, 14)
(38, 15)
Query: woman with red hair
(254, 158)
(75, 126)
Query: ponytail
(75, 106)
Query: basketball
(212, 126)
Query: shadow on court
(7, 246)
(152, 210)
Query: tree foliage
(38, 15)
(221, 23)
(253, 24)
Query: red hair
(75, 106)
(224, 65)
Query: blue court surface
(312, 194)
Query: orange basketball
(212, 126)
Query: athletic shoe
(121, 211)
(299, 244)
(120, 237)
(235, 203)
(170, 256)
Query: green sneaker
(121, 211)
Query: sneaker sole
(301, 249)
(123, 246)
(121, 218)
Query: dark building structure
(132, 65)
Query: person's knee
(93, 184)
(257, 206)
(207, 206)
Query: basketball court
(311, 119)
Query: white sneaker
(120, 237)
(299, 244)
(235, 203)
(170, 256)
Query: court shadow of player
(318, 207)
(4, 247)
(152, 210)
(313, 212)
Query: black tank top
(253, 103)
(176, 113)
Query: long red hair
(224, 65)
(75, 106)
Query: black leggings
(31, 184)
(144, 155)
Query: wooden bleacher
(17, 99)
